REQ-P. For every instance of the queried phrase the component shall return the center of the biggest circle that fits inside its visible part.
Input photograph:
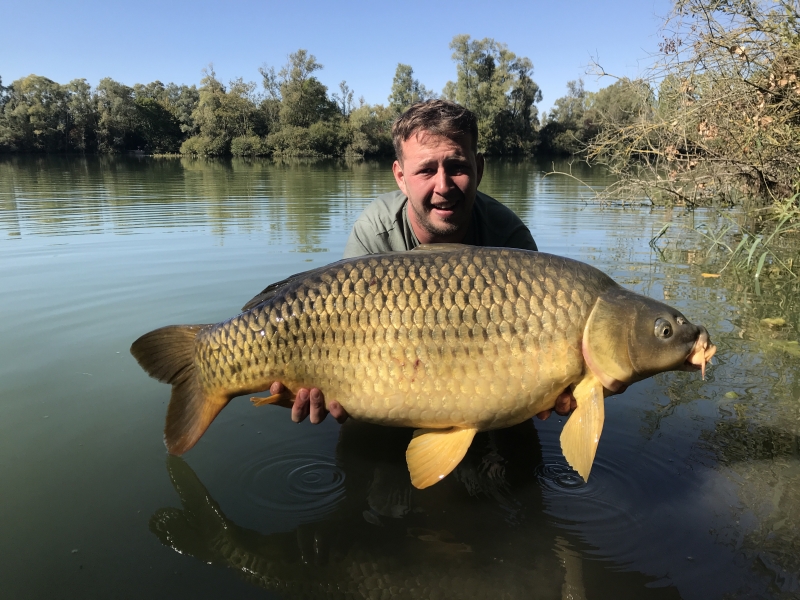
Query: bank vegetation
(289, 112)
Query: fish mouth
(701, 353)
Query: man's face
(440, 176)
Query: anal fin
(434, 453)
(581, 434)
(285, 399)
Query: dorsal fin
(274, 288)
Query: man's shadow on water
(481, 532)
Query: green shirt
(384, 227)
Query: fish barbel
(448, 339)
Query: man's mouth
(447, 208)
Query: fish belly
(477, 337)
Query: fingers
(311, 403)
(338, 412)
(301, 406)
(317, 406)
(565, 404)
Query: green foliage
(82, 111)
(202, 145)
(498, 87)
(158, 128)
(578, 117)
(406, 90)
(323, 138)
(301, 99)
(370, 131)
(248, 145)
(118, 117)
(35, 115)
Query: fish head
(630, 337)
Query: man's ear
(399, 176)
(479, 163)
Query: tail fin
(167, 354)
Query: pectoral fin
(582, 432)
(433, 453)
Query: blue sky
(361, 42)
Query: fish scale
(415, 332)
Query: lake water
(695, 492)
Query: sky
(358, 41)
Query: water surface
(695, 492)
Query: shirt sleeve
(355, 246)
(521, 238)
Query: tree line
(291, 113)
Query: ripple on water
(305, 485)
(637, 493)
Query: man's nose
(442, 181)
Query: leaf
(709, 275)
(761, 263)
(774, 321)
(756, 242)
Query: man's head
(438, 167)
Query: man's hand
(311, 403)
(565, 404)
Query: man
(438, 170)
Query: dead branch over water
(718, 117)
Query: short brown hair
(438, 117)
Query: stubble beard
(440, 228)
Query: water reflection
(481, 533)
(94, 195)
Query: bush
(206, 146)
(328, 138)
(248, 145)
(324, 138)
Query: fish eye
(663, 328)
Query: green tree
(563, 131)
(82, 113)
(118, 117)
(344, 99)
(35, 115)
(304, 100)
(498, 87)
(406, 90)
(181, 100)
(371, 131)
(577, 118)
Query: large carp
(446, 338)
